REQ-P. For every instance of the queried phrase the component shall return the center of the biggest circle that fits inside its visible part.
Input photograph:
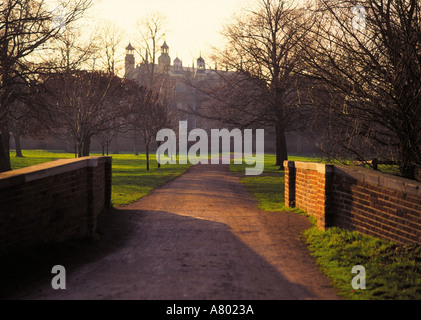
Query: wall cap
(364, 175)
(289, 164)
(380, 179)
(319, 167)
(47, 169)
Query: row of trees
(345, 73)
(369, 58)
(25, 27)
(56, 80)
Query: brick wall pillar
(99, 189)
(325, 196)
(308, 186)
(289, 171)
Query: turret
(178, 65)
(164, 61)
(201, 67)
(129, 61)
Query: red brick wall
(377, 204)
(358, 199)
(310, 185)
(54, 201)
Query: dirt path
(200, 236)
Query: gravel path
(200, 236)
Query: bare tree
(73, 49)
(25, 27)
(142, 102)
(110, 41)
(85, 104)
(152, 34)
(262, 48)
(22, 122)
(164, 115)
(156, 89)
(150, 112)
(366, 56)
(105, 138)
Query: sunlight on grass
(393, 272)
(34, 157)
(131, 180)
(268, 188)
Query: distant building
(183, 78)
(188, 82)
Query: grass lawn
(131, 181)
(392, 272)
(268, 188)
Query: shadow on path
(200, 237)
(153, 255)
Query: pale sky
(193, 25)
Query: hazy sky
(193, 24)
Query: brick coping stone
(44, 170)
(365, 175)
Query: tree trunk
(281, 147)
(115, 145)
(409, 156)
(79, 148)
(147, 156)
(284, 149)
(86, 146)
(4, 148)
(18, 145)
(277, 148)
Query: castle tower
(164, 61)
(129, 61)
(178, 65)
(201, 67)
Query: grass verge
(392, 272)
(131, 180)
(267, 188)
